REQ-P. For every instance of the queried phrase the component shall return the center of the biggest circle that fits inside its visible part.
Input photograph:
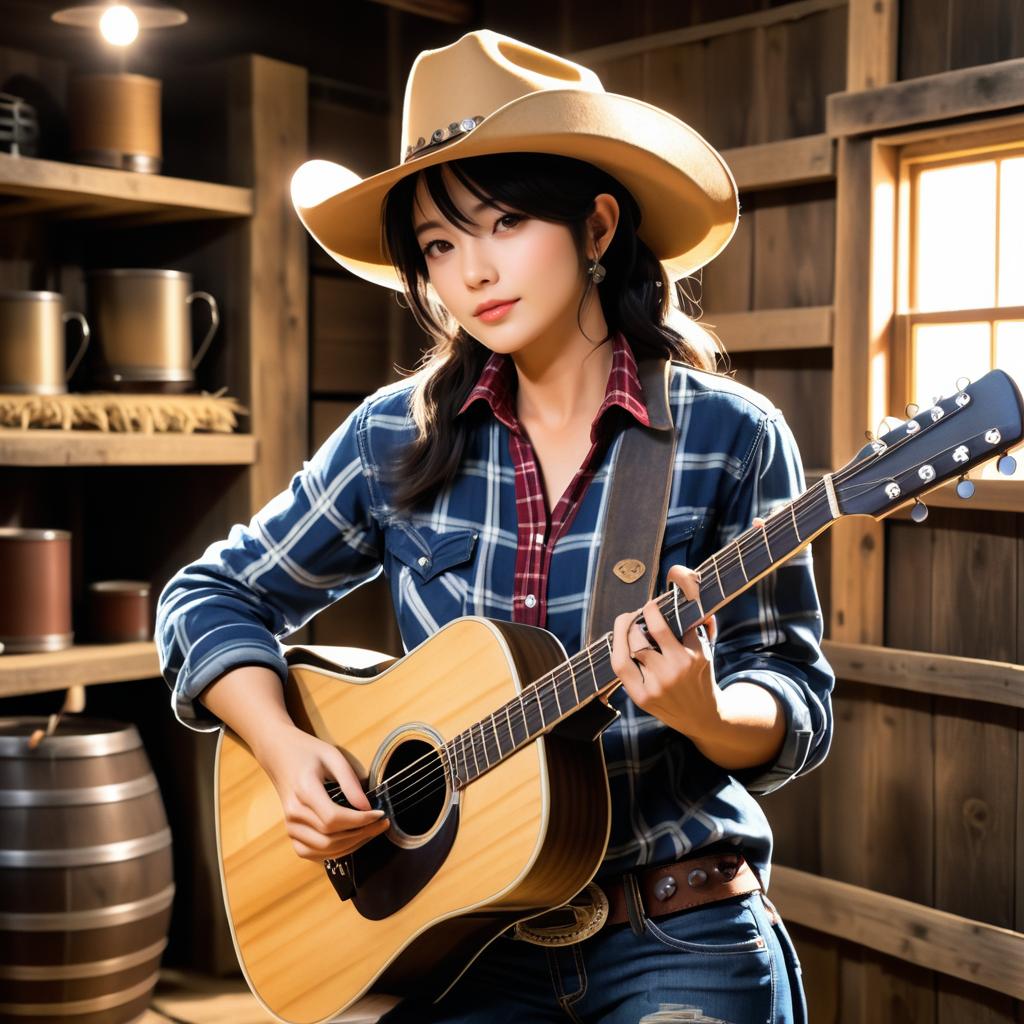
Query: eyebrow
(430, 225)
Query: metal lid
(120, 586)
(75, 737)
(30, 294)
(27, 533)
(138, 272)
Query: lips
(495, 311)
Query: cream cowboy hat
(489, 93)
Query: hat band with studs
(443, 135)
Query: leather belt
(652, 892)
(668, 888)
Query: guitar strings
(464, 743)
(547, 686)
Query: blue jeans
(721, 962)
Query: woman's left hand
(676, 684)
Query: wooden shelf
(79, 665)
(76, 191)
(95, 448)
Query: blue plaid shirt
(335, 529)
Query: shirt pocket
(430, 576)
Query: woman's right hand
(298, 764)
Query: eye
(430, 245)
(510, 220)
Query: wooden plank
(96, 448)
(872, 31)
(940, 675)
(799, 161)
(767, 329)
(706, 30)
(858, 554)
(350, 352)
(106, 192)
(994, 495)
(453, 12)
(269, 129)
(981, 953)
(79, 665)
(962, 93)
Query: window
(960, 280)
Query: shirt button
(539, 538)
(423, 561)
(530, 601)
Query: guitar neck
(589, 675)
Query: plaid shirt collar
(497, 387)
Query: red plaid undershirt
(538, 532)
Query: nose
(478, 267)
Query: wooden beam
(454, 12)
(939, 675)
(708, 30)
(269, 128)
(872, 43)
(799, 161)
(985, 89)
(762, 330)
(77, 666)
(980, 953)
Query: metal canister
(115, 121)
(35, 590)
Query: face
(530, 265)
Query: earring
(597, 271)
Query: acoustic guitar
(482, 746)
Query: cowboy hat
(488, 93)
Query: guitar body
(459, 866)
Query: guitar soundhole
(416, 788)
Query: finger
(331, 816)
(626, 668)
(337, 765)
(315, 845)
(658, 627)
(712, 625)
(688, 581)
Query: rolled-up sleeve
(308, 547)
(771, 634)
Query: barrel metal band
(76, 856)
(82, 920)
(86, 969)
(111, 793)
(66, 1009)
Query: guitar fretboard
(588, 674)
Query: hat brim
(686, 192)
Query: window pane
(1010, 349)
(945, 352)
(1011, 233)
(956, 236)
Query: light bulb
(119, 25)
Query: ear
(602, 224)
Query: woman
(536, 239)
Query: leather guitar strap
(634, 524)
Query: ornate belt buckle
(584, 915)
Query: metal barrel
(86, 879)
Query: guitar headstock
(981, 422)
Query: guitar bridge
(339, 872)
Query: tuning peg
(1007, 465)
(911, 406)
(869, 435)
(965, 488)
(919, 513)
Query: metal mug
(32, 343)
(143, 325)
